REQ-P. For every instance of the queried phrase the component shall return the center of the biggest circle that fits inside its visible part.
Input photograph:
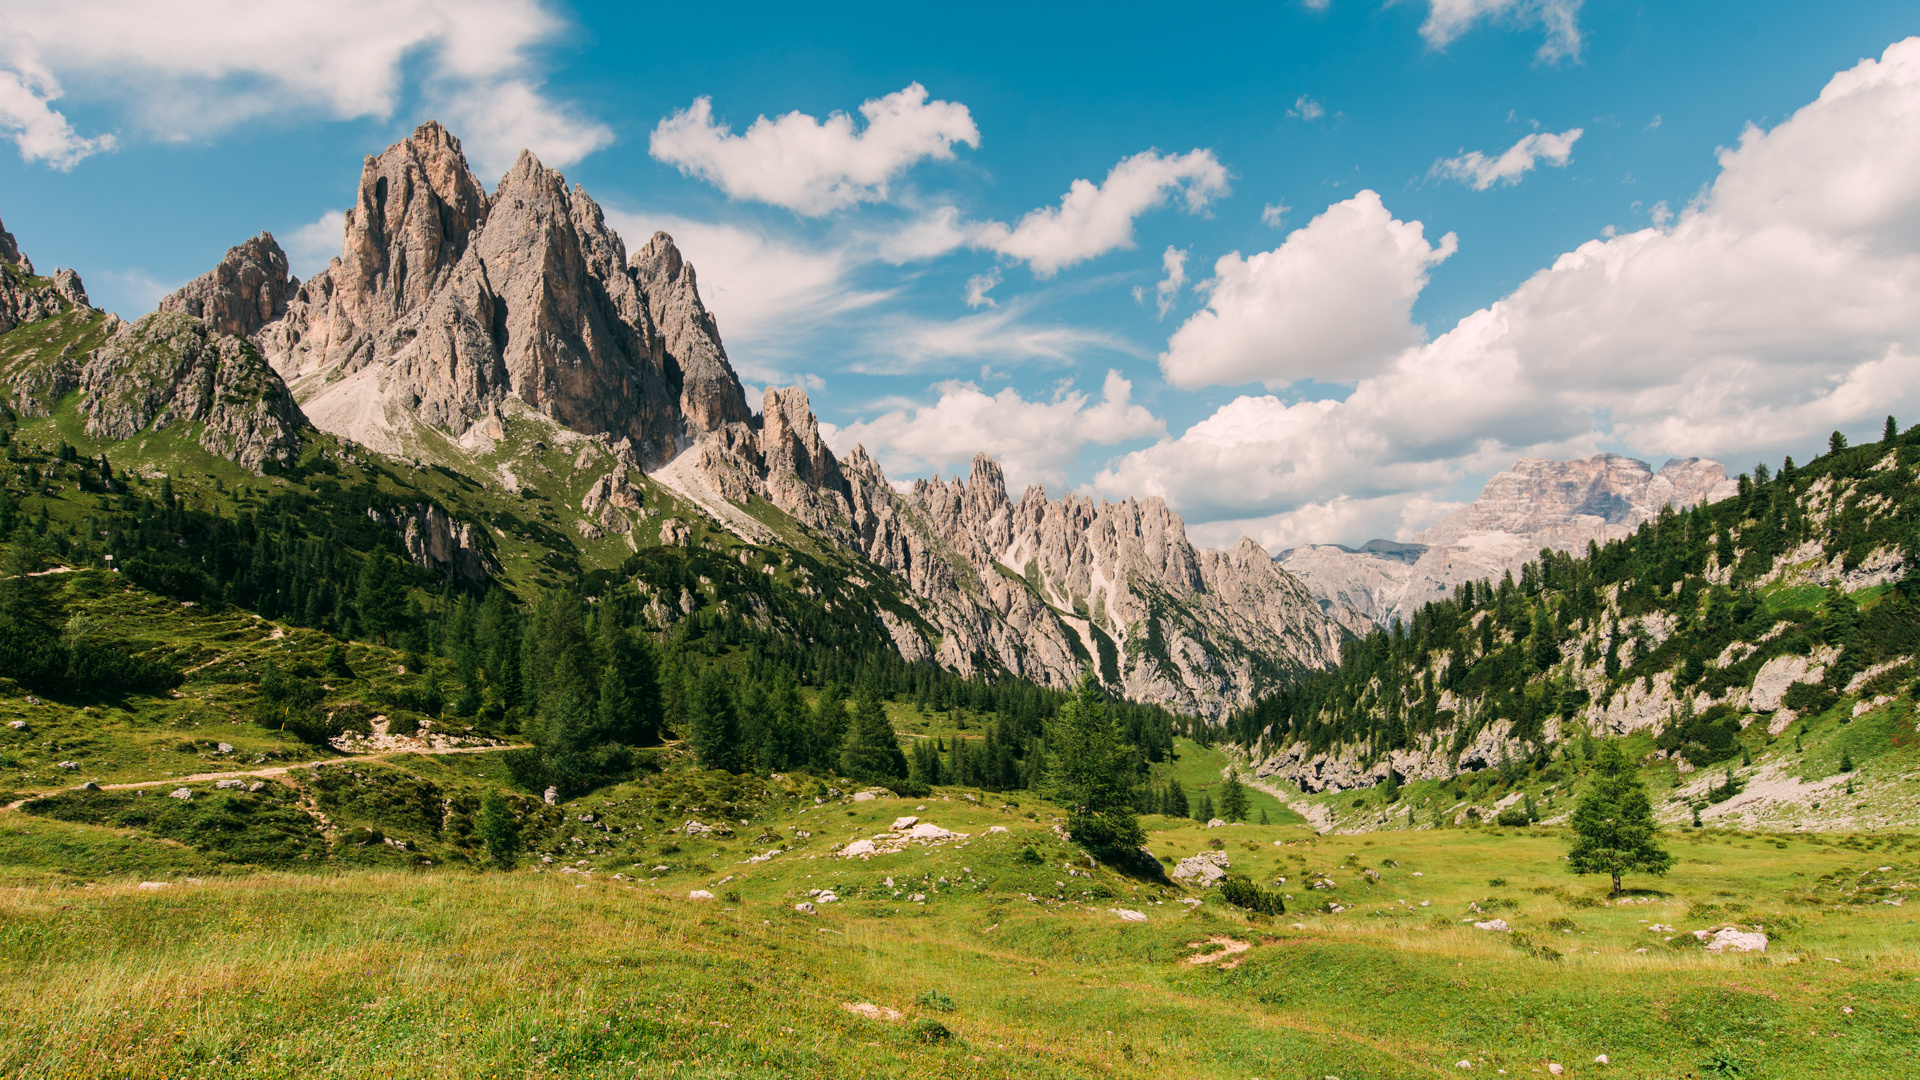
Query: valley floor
(1013, 962)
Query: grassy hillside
(1009, 965)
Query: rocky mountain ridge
(453, 314)
(26, 297)
(1038, 588)
(446, 302)
(1562, 505)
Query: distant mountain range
(1563, 505)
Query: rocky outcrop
(1536, 504)
(446, 302)
(248, 290)
(26, 298)
(695, 361)
(10, 251)
(611, 500)
(168, 369)
(1039, 589)
(434, 541)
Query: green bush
(1514, 816)
(1810, 699)
(1240, 891)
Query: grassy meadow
(1012, 963)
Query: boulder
(1732, 940)
(902, 824)
(17, 725)
(804, 907)
(552, 796)
(1215, 823)
(1129, 916)
(699, 894)
(90, 785)
(927, 830)
(229, 784)
(858, 847)
(183, 794)
(1206, 868)
(1499, 925)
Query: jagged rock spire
(446, 303)
(695, 361)
(10, 251)
(248, 290)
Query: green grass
(449, 972)
(1201, 771)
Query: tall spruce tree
(498, 830)
(872, 754)
(1614, 830)
(1233, 796)
(1092, 774)
(713, 723)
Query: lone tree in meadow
(1614, 831)
(1233, 796)
(1092, 774)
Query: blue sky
(1350, 373)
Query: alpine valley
(440, 667)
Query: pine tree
(498, 831)
(1091, 773)
(1204, 812)
(382, 597)
(1264, 821)
(1614, 830)
(1892, 432)
(1233, 796)
(713, 723)
(1175, 803)
(872, 754)
(1836, 443)
(830, 728)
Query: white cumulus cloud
(1480, 172)
(1331, 303)
(311, 246)
(1782, 304)
(1093, 219)
(1560, 19)
(189, 69)
(1035, 441)
(812, 166)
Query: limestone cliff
(1536, 504)
(248, 290)
(1037, 588)
(446, 301)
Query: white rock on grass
(1494, 924)
(871, 1011)
(1129, 916)
(1600, 1059)
(1731, 940)
(927, 830)
(156, 884)
(229, 784)
(804, 908)
(1206, 867)
(699, 894)
(863, 796)
(997, 828)
(902, 824)
(1557, 1069)
(1215, 823)
(858, 847)
(183, 794)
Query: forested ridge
(758, 658)
(1695, 595)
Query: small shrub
(1497, 883)
(1513, 817)
(730, 897)
(1561, 922)
(931, 1031)
(934, 999)
(1029, 856)
(669, 849)
(1240, 891)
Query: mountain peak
(248, 290)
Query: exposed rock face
(1536, 504)
(169, 368)
(437, 542)
(1038, 588)
(445, 302)
(248, 290)
(696, 362)
(25, 298)
(10, 251)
